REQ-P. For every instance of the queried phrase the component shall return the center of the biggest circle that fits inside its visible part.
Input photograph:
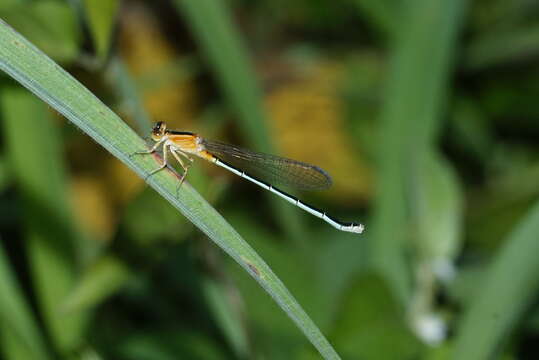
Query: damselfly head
(158, 130)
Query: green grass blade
(100, 16)
(51, 25)
(511, 283)
(227, 317)
(438, 209)
(382, 14)
(34, 146)
(19, 332)
(131, 103)
(499, 47)
(213, 29)
(211, 25)
(52, 84)
(98, 282)
(416, 85)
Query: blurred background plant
(425, 114)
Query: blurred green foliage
(425, 113)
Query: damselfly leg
(175, 152)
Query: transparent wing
(272, 169)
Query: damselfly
(253, 166)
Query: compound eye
(157, 127)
